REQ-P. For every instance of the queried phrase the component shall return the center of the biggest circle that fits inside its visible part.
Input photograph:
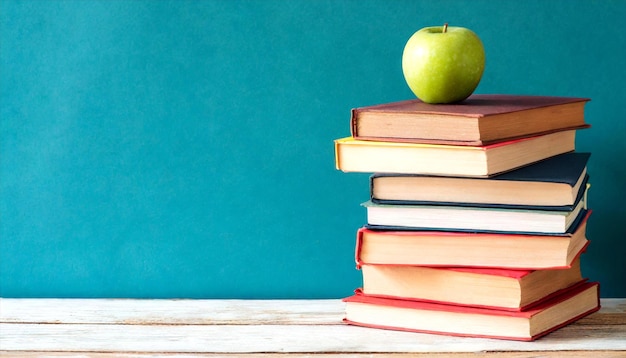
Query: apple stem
(445, 28)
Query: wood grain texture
(141, 328)
(171, 312)
(535, 354)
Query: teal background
(185, 148)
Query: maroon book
(479, 120)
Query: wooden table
(208, 328)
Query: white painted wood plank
(283, 339)
(245, 326)
(543, 354)
(171, 312)
(614, 305)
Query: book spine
(354, 123)
(357, 249)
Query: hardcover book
(481, 119)
(571, 305)
(478, 218)
(554, 182)
(352, 155)
(471, 249)
(494, 288)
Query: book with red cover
(425, 317)
(493, 288)
(472, 249)
(481, 119)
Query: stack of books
(477, 216)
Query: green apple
(443, 64)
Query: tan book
(352, 155)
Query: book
(481, 119)
(471, 249)
(498, 218)
(504, 289)
(376, 312)
(352, 155)
(553, 182)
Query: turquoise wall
(185, 148)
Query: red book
(471, 249)
(515, 290)
(479, 120)
(384, 313)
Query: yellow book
(352, 155)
